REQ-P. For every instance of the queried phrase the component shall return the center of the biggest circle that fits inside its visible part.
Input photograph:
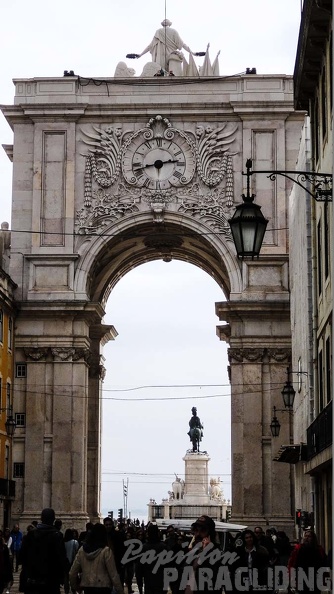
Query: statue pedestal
(196, 491)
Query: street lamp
(288, 392)
(10, 422)
(248, 225)
(275, 425)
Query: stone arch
(103, 263)
(74, 171)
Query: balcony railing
(320, 432)
(7, 488)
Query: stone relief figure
(178, 488)
(165, 47)
(215, 488)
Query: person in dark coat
(252, 560)
(43, 557)
(6, 572)
(308, 556)
(153, 582)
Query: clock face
(159, 163)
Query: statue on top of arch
(168, 59)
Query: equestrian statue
(196, 430)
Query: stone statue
(123, 71)
(195, 432)
(178, 488)
(215, 488)
(165, 47)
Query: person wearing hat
(207, 561)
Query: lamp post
(248, 225)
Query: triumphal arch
(109, 174)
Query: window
(18, 470)
(326, 240)
(328, 370)
(7, 462)
(323, 103)
(10, 333)
(20, 419)
(319, 256)
(320, 381)
(8, 394)
(315, 130)
(21, 370)
(1, 325)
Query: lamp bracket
(323, 182)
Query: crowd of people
(109, 558)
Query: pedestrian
(71, 548)
(17, 536)
(6, 572)
(116, 539)
(153, 580)
(8, 542)
(252, 560)
(43, 558)
(206, 558)
(307, 558)
(95, 564)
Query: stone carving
(178, 488)
(36, 353)
(171, 495)
(123, 71)
(246, 354)
(126, 170)
(103, 162)
(213, 159)
(62, 353)
(81, 354)
(279, 354)
(209, 206)
(215, 489)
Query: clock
(159, 162)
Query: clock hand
(158, 163)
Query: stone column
(259, 353)
(99, 334)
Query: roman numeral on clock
(177, 174)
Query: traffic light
(228, 515)
(304, 521)
(120, 514)
(111, 515)
(298, 517)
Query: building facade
(7, 321)
(311, 273)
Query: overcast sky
(164, 312)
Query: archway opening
(166, 359)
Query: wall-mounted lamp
(248, 225)
(275, 425)
(288, 392)
(10, 422)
